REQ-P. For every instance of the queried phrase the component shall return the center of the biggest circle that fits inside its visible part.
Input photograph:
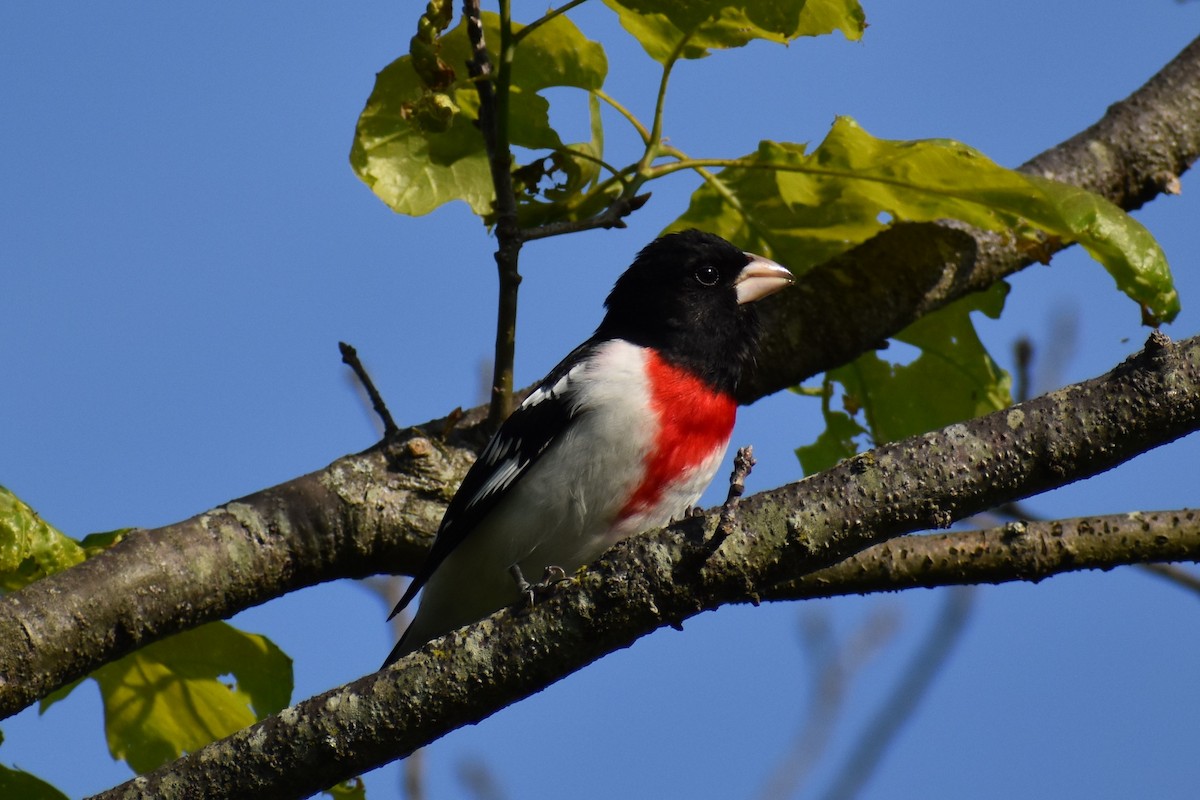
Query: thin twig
(743, 463)
(350, 359)
(493, 123)
(1175, 574)
(832, 669)
(611, 217)
(1023, 361)
(479, 780)
(881, 731)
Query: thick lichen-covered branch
(382, 506)
(668, 576)
(1137, 151)
(1018, 551)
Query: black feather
(659, 302)
(524, 436)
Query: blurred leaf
(168, 698)
(834, 444)
(57, 695)
(418, 153)
(20, 785)
(30, 548)
(353, 789)
(952, 379)
(691, 28)
(802, 209)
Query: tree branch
(1018, 551)
(382, 506)
(654, 580)
(1136, 151)
(379, 507)
(350, 359)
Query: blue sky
(183, 243)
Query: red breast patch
(693, 421)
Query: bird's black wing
(516, 446)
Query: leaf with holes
(671, 29)
(416, 157)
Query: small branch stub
(350, 359)
(743, 463)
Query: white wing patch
(549, 392)
(499, 480)
(498, 448)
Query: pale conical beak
(759, 278)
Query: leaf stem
(626, 113)
(537, 23)
(654, 140)
(713, 180)
(567, 151)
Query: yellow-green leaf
(569, 173)
(670, 29)
(804, 208)
(353, 789)
(30, 547)
(418, 151)
(95, 543)
(173, 696)
(835, 443)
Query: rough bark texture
(381, 506)
(1135, 152)
(1018, 551)
(662, 579)
(375, 508)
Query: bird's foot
(532, 592)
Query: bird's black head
(690, 296)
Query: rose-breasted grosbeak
(622, 436)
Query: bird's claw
(532, 592)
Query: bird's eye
(708, 276)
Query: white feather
(566, 510)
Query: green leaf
(168, 698)
(952, 379)
(58, 695)
(30, 548)
(571, 171)
(819, 17)
(670, 29)
(95, 543)
(15, 783)
(353, 789)
(804, 208)
(835, 443)
(418, 153)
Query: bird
(622, 436)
